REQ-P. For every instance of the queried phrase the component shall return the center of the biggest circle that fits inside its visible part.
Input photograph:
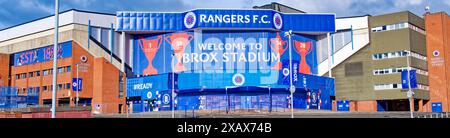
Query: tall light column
(55, 58)
(291, 86)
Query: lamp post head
(288, 33)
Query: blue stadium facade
(225, 60)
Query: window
(390, 27)
(68, 86)
(31, 74)
(121, 83)
(38, 73)
(60, 70)
(69, 68)
(45, 72)
(17, 76)
(44, 88)
(60, 87)
(387, 86)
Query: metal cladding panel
(225, 19)
(146, 21)
(309, 22)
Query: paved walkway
(278, 114)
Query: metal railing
(433, 115)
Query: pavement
(280, 113)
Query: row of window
(44, 72)
(398, 26)
(396, 54)
(398, 86)
(32, 90)
(387, 86)
(398, 70)
(65, 86)
(390, 27)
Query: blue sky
(13, 12)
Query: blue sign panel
(436, 107)
(222, 52)
(228, 19)
(42, 54)
(413, 79)
(147, 87)
(77, 84)
(343, 105)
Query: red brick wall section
(106, 88)
(438, 35)
(67, 114)
(4, 69)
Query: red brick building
(26, 53)
(438, 36)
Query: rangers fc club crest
(189, 20)
(277, 21)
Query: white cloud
(354, 7)
(35, 5)
(447, 2)
(218, 3)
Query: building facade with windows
(369, 79)
(27, 52)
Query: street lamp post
(410, 91)
(55, 58)
(291, 86)
(173, 86)
(78, 85)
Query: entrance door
(120, 108)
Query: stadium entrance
(226, 66)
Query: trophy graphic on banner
(179, 42)
(150, 48)
(277, 45)
(303, 48)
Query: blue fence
(10, 99)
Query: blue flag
(413, 79)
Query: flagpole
(55, 58)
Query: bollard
(446, 114)
(442, 115)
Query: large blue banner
(222, 52)
(225, 19)
(42, 54)
(147, 87)
(412, 79)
